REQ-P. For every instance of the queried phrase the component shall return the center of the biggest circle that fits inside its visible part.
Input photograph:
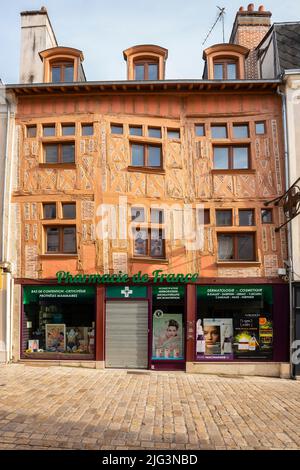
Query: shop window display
(58, 322)
(234, 323)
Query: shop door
(126, 342)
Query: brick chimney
(36, 36)
(249, 27)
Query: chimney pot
(261, 8)
(43, 9)
(241, 9)
(250, 7)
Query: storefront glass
(234, 322)
(58, 321)
(168, 323)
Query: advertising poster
(214, 338)
(55, 337)
(167, 336)
(253, 336)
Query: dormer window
(225, 62)
(146, 62)
(62, 65)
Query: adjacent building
(142, 239)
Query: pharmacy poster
(253, 336)
(214, 339)
(167, 336)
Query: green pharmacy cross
(126, 291)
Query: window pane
(225, 247)
(223, 218)
(154, 132)
(152, 72)
(49, 131)
(203, 217)
(218, 72)
(154, 156)
(140, 242)
(69, 73)
(116, 128)
(231, 72)
(157, 216)
(52, 240)
(56, 74)
(219, 132)
(69, 241)
(240, 131)
(51, 153)
(157, 244)
(87, 129)
(199, 130)
(221, 158)
(137, 214)
(260, 128)
(266, 216)
(246, 217)
(31, 131)
(135, 130)
(68, 153)
(173, 134)
(240, 157)
(69, 210)
(68, 129)
(139, 72)
(49, 211)
(245, 247)
(137, 155)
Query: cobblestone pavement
(76, 408)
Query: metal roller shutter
(126, 342)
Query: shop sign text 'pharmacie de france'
(65, 277)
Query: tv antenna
(219, 18)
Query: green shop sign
(168, 292)
(37, 293)
(254, 292)
(126, 292)
(158, 276)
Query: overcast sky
(102, 29)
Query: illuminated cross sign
(126, 291)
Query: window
(173, 133)
(238, 246)
(49, 211)
(223, 217)
(146, 155)
(116, 128)
(145, 70)
(148, 242)
(31, 131)
(260, 128)
(61, 239)
(59, 153)
(203, 216)
(199, 130)
(69, 210)
(87, 129)
(49, 130)
(135, 130)
(62, 72)
(154, 132)
(240, 131)
(157, 216)
(219, 131)
(236, 158)
(266, 216)
(225, 70)
(68, 129)
(246, 217)
(137, 214)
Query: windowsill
(58, 255)
(58, 139)
(233, 171)
(58, 165)
(236, 229)
(58, 221)
(238, 263)
(142, 259)
(143, 169)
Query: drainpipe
(289, 230)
